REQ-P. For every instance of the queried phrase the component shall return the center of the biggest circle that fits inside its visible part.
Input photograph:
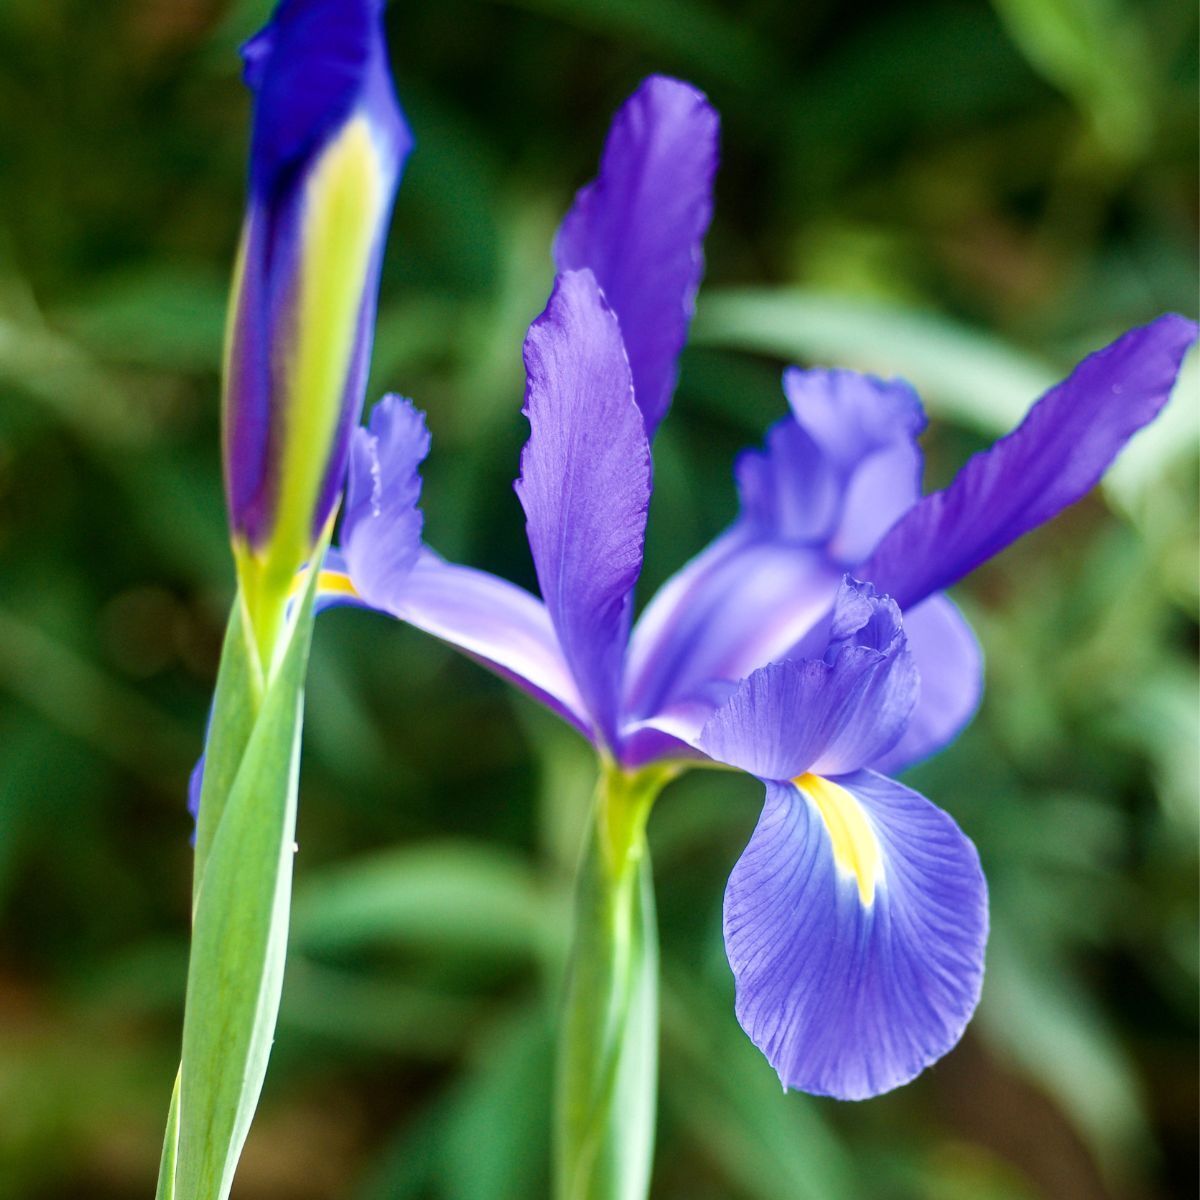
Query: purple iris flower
(855, 920)
(328, 145)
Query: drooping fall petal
(855, 925)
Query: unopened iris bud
(328, 146)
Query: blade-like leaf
(1038, 1017)
(239, 937)
(170, 1150)
(236, 703)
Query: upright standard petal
(831, 478)
(1053, 458)
(585, 486)
(639, 228)
(381, 531)
(855, 925)
(830, 715)
(865, 433)
(950, 663)
(328, 145)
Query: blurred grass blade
(961, 373)
(494, 1141)
(77, 696)
(717, 1085)
(1050, 1027)
(239, 935)
(82, 393)
(161, 316)
(424, 1022)
(1095, 52)
(447, 897)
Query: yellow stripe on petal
(856, 849)
(330, 583)
(344, 198)
(344, 203)
(336, 583)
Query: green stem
(608, 1050)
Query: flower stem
(608, 1049)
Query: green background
(970, 195)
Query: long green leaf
(493, 1145)
(239, 937)
(236, 703)
(170, 1150)
(1038, 1015)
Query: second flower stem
(608, 1048)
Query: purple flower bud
(329, 143)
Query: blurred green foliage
(968, 194)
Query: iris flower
(812, 644)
